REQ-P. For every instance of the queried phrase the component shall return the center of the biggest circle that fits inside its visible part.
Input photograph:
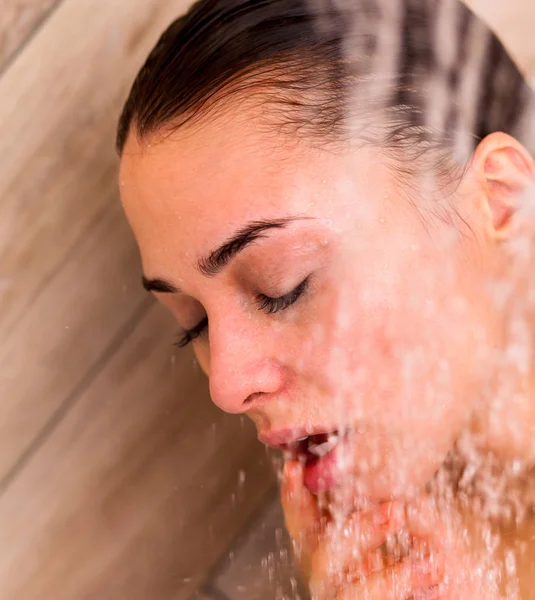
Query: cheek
(388, 347)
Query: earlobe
(506, 172)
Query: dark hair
(318, 61)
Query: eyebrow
(219, 258)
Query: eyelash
(265, 303)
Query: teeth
(323, 448)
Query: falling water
(470, 482)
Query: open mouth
(314, 447)
(323, 454)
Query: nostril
(252, 397)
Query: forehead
(191, 190)
(198, 164)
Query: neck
(494, 497)
(501, 489)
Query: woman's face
(337, 300)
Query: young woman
(336, 200)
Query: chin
(403, 478)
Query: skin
(397, 337)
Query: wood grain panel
(18, 20)
(66, 330)
(58, 111)
(65, 276)
(136, 494)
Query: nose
(240, 369)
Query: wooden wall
(118, 479)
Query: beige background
(118, 479)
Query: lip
(326, 472)
(320, 473)
(282, 438)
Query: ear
(505, 174)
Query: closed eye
(265, 303)
(275, 305)
(192, 334)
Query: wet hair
(436, 73)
